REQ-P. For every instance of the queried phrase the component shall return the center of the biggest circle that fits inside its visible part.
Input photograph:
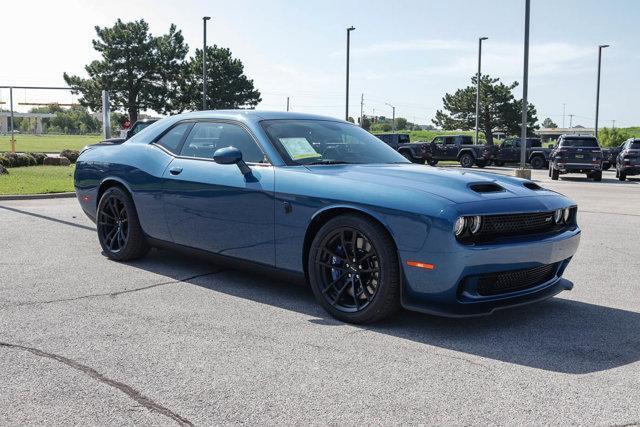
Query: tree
(548, 123)
(401, 123)
(609, 137)
(366, 123)
(227, 86)
(140, 71)
(499, 110)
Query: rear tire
(537, 162)
(119, 230)
(364, 291)
(597, 176)
(554, 174)
(407, 155)
(466, 160)
(622, 176)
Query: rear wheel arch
(108, 183)
(324, 216)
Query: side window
(171, 140)
(449, 140)
(507, 144)
(438, 140)
(207, 137)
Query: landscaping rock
(56, 161)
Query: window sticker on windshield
(299, 148)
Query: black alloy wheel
(119, 230)
(466, 160)
(353, 269)
(537, 162)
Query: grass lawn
(37, 180)
(47, 143)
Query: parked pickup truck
(576, 154)
(509, 152)
(400, 142)
(460, 148)
(628, 160)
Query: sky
(406, 53)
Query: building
(547, 134)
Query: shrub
(72, 155)
(4, 161)
(39, 158)
(11, 159)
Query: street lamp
(346, 113)
(393, 116)
(204, 61)
(602, 46)
(480, 40)
(525, 87)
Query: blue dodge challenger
(325, 200)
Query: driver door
(215, 207)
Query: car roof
(252, 115)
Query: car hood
(458, 186)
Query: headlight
(557, 216)
(475, 224)
(459, 226)
(566, 215)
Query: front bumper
(441, 290)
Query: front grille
(510, 281)
(505, 225)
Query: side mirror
(231, 156)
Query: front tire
(554, 174)
(354, 271)
(467, 160)
(432, 162)
(119, 230)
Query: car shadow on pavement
(557, 335)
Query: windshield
(579, 142)
(305, 142)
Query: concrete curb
(37, 196)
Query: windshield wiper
(329, 162)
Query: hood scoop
(486, 187)
(532, 186)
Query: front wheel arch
(325, 215)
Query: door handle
(175, 171)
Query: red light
(421, 265)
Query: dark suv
(576, 154)
(628, 161)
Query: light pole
(204, 61)
(602, 46)
(393, 116)
(564, 106)
(346, 112)
(525, 86)
(480, 40)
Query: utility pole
(602, 46)
(393, 117)
(346, 105)
(287, 103)
(613, 124)
(563, 113)
(571, 121)
(204, 61)
(479, 75)
(13, 139)
(362, 110)
(525, 87)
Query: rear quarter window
(172, 139)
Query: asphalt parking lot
(169, 339)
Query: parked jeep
(400, 142)
(609, 156)
(460, 148)
(509, 152)
(628, 160)
(576, 154)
